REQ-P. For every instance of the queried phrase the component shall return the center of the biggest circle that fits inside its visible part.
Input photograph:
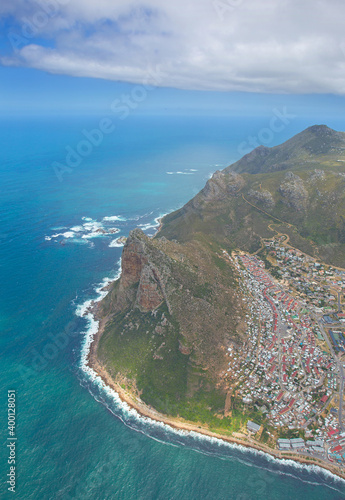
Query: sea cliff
(168, 322)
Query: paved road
(341, 374)
(325, 336)
(341, 395)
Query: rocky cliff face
(171, 316)
(219, 187)
(134, 258)
(293, 191)
(149, 295)
(300, 182)
(141, 281)
(178, 306)
(263, 196)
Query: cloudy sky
(262, 47)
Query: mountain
(297, 186)
(170, 317)
(178, 304)
(313, 144)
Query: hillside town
(291, 368)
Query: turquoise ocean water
(57, 244)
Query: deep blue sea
(58, 241)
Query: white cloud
(267, 46)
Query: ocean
(59, 244)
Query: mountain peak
(310, 144)
(320, 130)
(316, 129)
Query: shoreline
(92, 366)
(92, 363)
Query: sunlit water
(75, 439)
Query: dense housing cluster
(291, 365)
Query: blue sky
(238, 57)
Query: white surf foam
(92, 226)
(147, 226)
(138, 217)
(68, 234)
(131, 412)
(152, 225)
(112, 218)
(84, 310)
(190, 172)
(93, 235)
(116, 243)
(88, 230)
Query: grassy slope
(202, 287)
(174, 360)
(319, 227)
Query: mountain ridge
(178, 304)
(316, 140)
(301, 182)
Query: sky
(220, 56)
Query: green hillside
(300, 183)
(178, 304)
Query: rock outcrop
(140, 279)
(263, 196)
(178, 304)
(170, 316)
(220, 186)
(134, 258)
(294, 192)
